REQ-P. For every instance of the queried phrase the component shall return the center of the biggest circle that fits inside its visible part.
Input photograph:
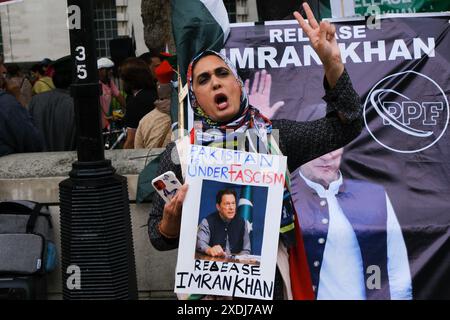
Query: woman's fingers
(179, 199)
(323, 31)
(169, 207)
(175, 205)
(310, 15)
(169, 214)
(305, 27)
(331, 32)
(182, 193)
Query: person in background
(17, 132)
(109, 89)
(154, 130)
(53, 111)
(43, 83)
(49, 71)
(21, 82)
(141, 90)
(153, 59)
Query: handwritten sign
(246, 268)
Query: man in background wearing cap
(154, 130)
(17, 132)
(109, 89)
(53, 111)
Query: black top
(138, 106)
(53, 114)
(17, 132)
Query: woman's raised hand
(323, 39)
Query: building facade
(32, 30)
(242, 10)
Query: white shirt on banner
(342, 273)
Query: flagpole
(181, 96)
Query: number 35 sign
(74, 23)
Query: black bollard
(96, 237)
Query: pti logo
(410, 112)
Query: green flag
(245, 208)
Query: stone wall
(35, 176)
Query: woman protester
(219, 99)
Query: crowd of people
(37, 111)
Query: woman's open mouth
(221, 101)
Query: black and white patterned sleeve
(156, 238)
(343, 98)
(305, 141)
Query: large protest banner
(400, 66)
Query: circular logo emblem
(406, 112)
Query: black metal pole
(85, 88)
(96, 236)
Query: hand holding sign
(323, 39)
(171, 220)
(260, 94)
